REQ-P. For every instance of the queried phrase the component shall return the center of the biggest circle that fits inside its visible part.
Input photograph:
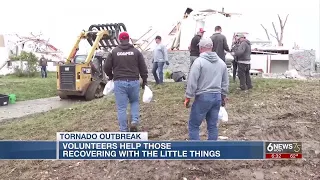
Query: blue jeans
(44, 71)
(127, 91)
(205, 106)
(158, 66)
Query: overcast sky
(62, 20)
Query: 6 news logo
(283, 147)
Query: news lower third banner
(136, 146)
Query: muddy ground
(274, 110)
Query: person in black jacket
(124, 65)
(194, 47)
(220, 44)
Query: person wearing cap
(208, 83)
(243, 54)
(194, 48)
(160, 56)
(220, 44)
(124, 65)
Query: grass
(274, 110)
(29, 88)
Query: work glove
(187, 102)
(223, 100)
(143, 84)
(167, 63)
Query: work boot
(134, 127)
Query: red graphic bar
(283, 156)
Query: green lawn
(29, 88)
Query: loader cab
(96, 64)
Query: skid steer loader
(83, 75)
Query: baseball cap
(123, 36)
(206, 43)
(201, 30)
(158, 37)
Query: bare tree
(265, 29)
(276, 35)
(282, 25)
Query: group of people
(241, 51)
(207, 81)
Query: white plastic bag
(223, 115)
(147, 95)
(108, 89)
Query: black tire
(91, 91)
(62, 95)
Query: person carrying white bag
(208, 84)
(124, 65)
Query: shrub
(31, 64)
(167, 74)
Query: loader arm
(98, 37)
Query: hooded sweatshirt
(208, 74)
(243, 52)
(126, 63)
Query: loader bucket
(110, 41)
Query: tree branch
(274, 36)
(275, 32)
(266, 32)
(285, 20)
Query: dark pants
(44, 72)
(158, 66)
(205, 106)
(244, 76)
(234, 68)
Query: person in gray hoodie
(243, 54)
(208, 83)
(160, 56)
(220, 44)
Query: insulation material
(303, 61)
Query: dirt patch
(263, 114)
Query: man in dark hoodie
(124, 65)
(208, 83)
(243, 54)
(43, 63)
(219, 43)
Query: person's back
(208, 83)
(127, 62)
(220, 44)
(124, 65)
(213, 72)
(194, 48)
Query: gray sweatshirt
(208, 74)
(160, 53)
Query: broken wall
(303, 61)
(179, 61)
